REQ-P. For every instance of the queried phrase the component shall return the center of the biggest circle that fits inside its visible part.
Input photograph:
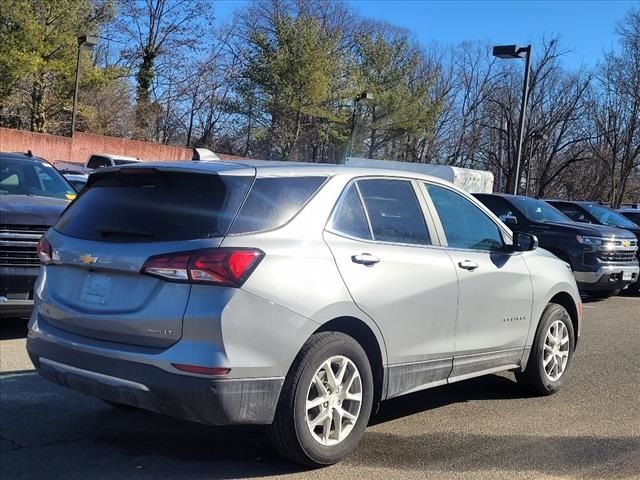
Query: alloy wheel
(556, 350)
(333, 401)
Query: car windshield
(539, 210)
(34, 178)
(606, 216)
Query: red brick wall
(77, 149)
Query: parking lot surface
(482, 428)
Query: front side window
(394, 211)
(464, 224)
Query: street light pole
(362, 98)
(534, 138)
(523, 115)
(90, 41)
(509, 52)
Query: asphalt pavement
(485, 428)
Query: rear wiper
(108, 230)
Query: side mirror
(509, 220)
(524, 242)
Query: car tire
(308, 382)
(545, 375)
(604, 293)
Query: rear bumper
(607, 277)
(199, 399)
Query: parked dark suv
(632, 213)
(32, 196)
(603, 258)
(595, 213)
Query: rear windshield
(155, 207)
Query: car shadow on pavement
(13, 328)
(51, 432)
(490, 387)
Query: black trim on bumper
(213, 402)
(15, 308)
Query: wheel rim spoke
(334, 400)
(556, 350)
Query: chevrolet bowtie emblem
(87, 259)
(626, 243)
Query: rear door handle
(468, 265)
(365, 259)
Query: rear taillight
(44, 251)
(215, 266)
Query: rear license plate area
(96, 288)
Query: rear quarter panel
(298, 273)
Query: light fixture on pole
(83, 40)
(507, 52)
(364, 97)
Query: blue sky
(586, 27)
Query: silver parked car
(293, 295)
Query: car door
(396, 273)
(495, 292)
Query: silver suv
(293, 295)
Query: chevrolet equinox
(293, 295)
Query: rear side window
(153, 207)
(394, 211)
(273, 201)
(350, 218)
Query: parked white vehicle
(470, 180)
(102, 160)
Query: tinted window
(498, 206)
(574, 213)
(98, 162)
(350, 217)
(273, 202)
(539, 210)
(607, 216)
(633, 216)
(28, 177)
(394, 211)
(464, 224)
(120, 161)
(152, 207)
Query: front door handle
(365, 259)
(468, 265)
